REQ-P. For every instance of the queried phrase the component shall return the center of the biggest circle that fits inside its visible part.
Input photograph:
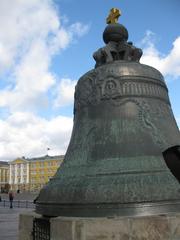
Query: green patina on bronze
(122, 123)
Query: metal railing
(41, 229)
(18, 204)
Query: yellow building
(4, 176)
(31, 174)
(42, 169)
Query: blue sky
(46, 45)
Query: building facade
(31, 174)
(42, 169)
(4, 176)
(19, 174)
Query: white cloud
(79, 29)
(30, 35)
(24, 134)
(65, 92)
(167, 64)
(21, 23)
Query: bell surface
(123, 157)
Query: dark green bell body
(114, 165)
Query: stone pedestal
(159, 227)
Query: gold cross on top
(113, 16)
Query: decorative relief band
(112, 88)
(91, 90)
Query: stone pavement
(9, 222)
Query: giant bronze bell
(123, 157)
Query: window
(41, 164)
(33, 165)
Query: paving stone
(9, 222)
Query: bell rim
(108, 210)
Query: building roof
(3, 163)
(45, 158)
